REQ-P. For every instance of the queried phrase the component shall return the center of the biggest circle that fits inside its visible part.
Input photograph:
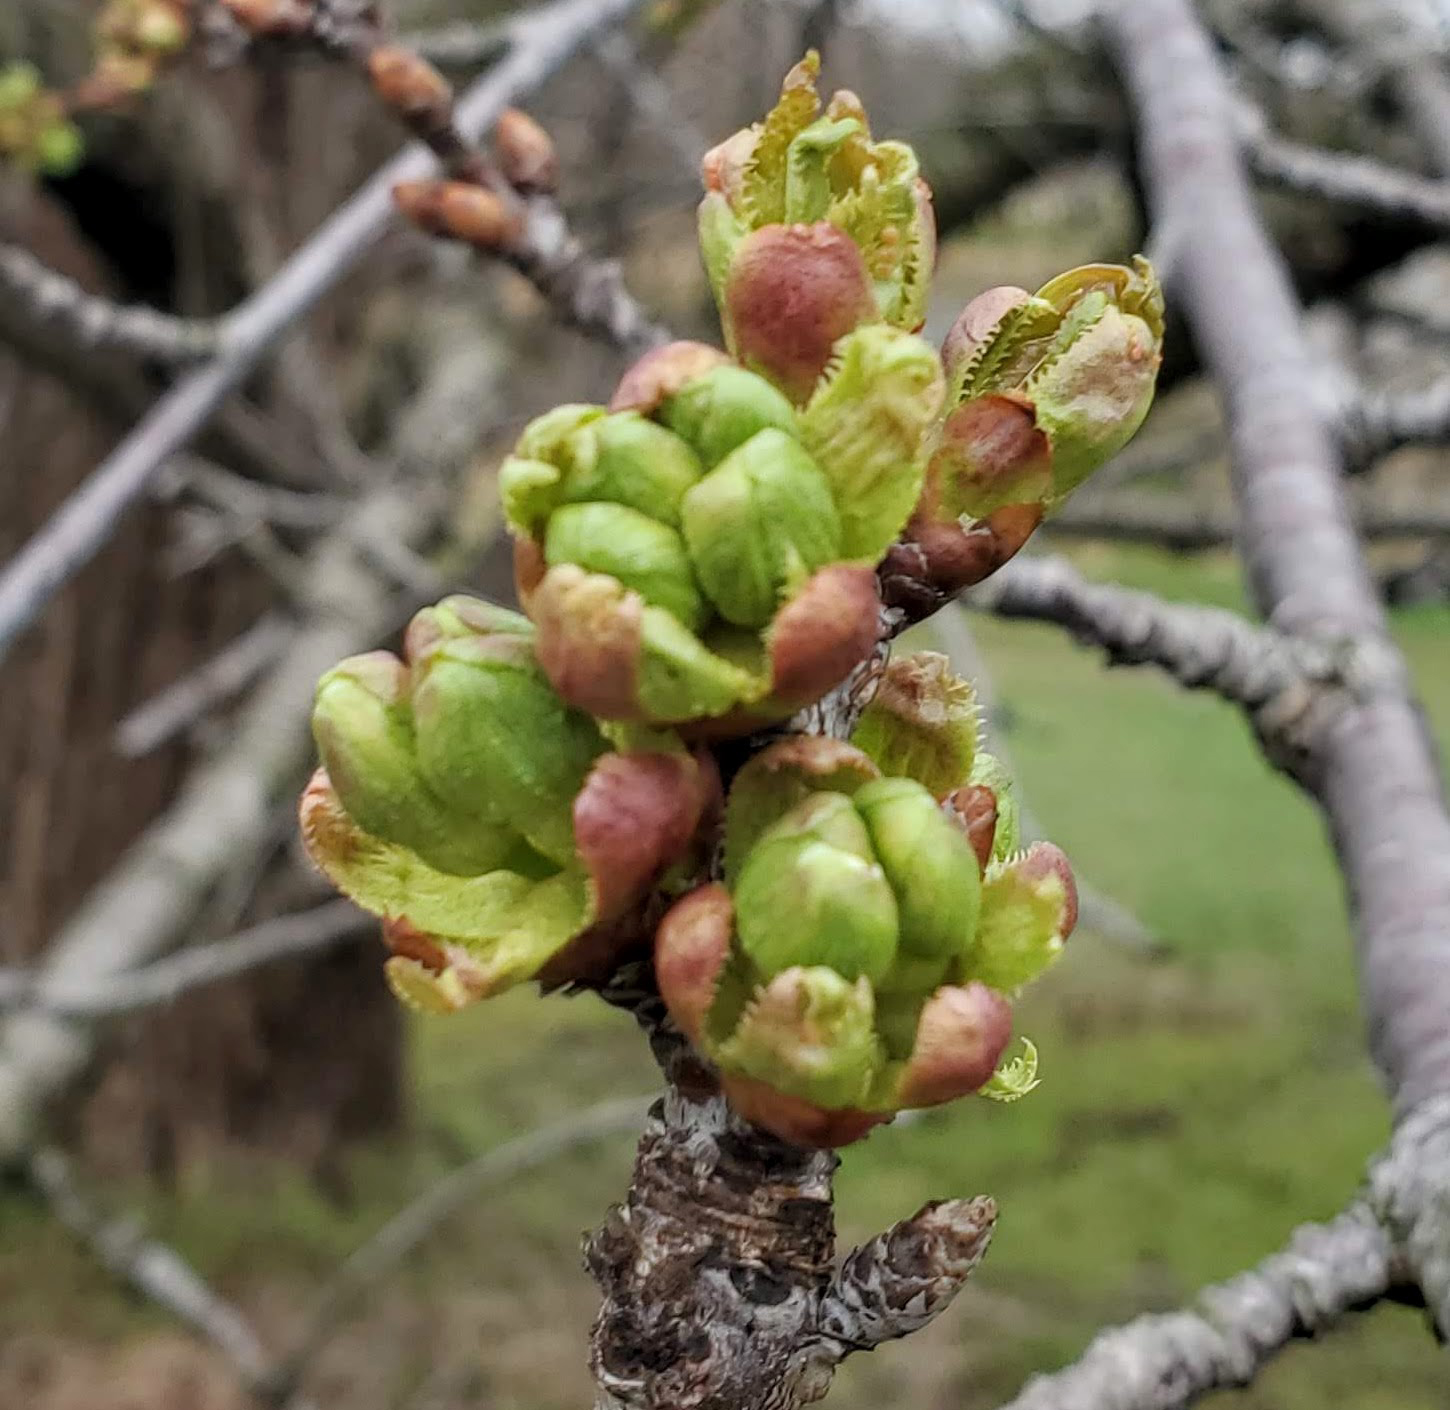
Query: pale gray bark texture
(1373, 768)
(1164, 1361)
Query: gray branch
(158, 1273)
(542, 41)
(1348, 178)
(221, 678)
(1292, 689)
(224, 810)
(1171, 523)
(286, 937)
(1376, 421)
(97, 322)
(1374, 769)
(1165, 1361)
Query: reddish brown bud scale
(407, 941)
(411, 87)
(823, 633)
(691, 947)
(974, 806)
(795, 1120)
(526, 153)
(634, 815)
(661, 372)
(792, 292)
(458, 210)
(945, 559)
(990, 452)
(961, 1036)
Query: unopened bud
(411, 87)
(272, 19)
(459, 210)
(526, 153)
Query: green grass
(1193, 1110)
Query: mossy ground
(1193, 1110)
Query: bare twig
(247, 500)
(157, 1272)
(1360, 181)
(97, 322)
(1170, 523)
(286, 937)
(1168, 1360)
(1287, 686)
(402, 1235)
(1374, 421)
(224, 812)
(651, 96)
(542, 41)
(219, 679)
(1373, 767)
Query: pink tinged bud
(635, 815)
(974, 806)
(662, 372)
(826, 630)
(791, 292)
(795, 1120)
(723, 166)
(962, 1034)
(691, 948)
(526, 153)
(411, 86)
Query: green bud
(646, 556)
(865, 426)
(758, 525)
(495, 742)
(929, 863)
(922, 723)
(809, 1032)
(544, 436)
(1029, 907)
(780, 777)
(626, 459)
(723, 409)
(1080, 356)
(364, 733)
(809, 893)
